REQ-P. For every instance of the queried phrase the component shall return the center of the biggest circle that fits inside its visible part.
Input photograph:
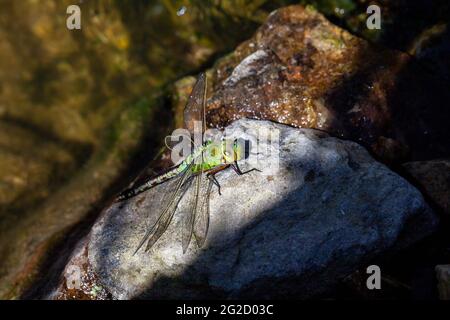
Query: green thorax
(215, 153)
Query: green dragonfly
(196, 170)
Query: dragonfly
(197, 169)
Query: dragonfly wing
(170, 204)
(201, 223)
(195, 107)
(189, 216)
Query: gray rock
(320, 208)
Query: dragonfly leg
(236, 168)
(211, 175)
(213, 178)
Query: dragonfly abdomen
(131, 192)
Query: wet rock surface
(301, 70)
(291, 230)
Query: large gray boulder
(320, 208)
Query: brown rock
(301, 70)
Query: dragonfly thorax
(216, 153)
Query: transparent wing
(201, 223)
(189, 216)
(171, 201)
(194, 110)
